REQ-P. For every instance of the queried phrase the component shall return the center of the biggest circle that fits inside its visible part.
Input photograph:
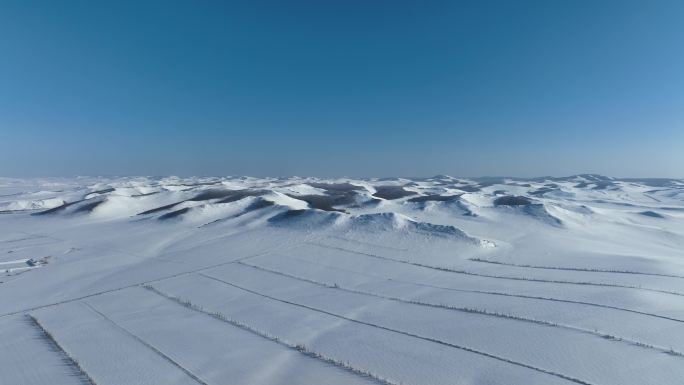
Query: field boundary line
(147, 344)
(464, 272)
(469, 310)
(417, 336)
(84, 376)
(298, 347)
(563, 268)
(503, 294)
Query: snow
(241, 280)
(28, 357)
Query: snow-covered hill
(307, 281)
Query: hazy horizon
(361, 177)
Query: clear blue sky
(355, 88)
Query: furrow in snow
(298, 347)
(528, 279)
(52, 304)
(148, 345)
(503, 294)
(83, 376)
(106, 352)
(429, 339)
(483, 312)
(582, 269)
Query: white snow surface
(242, 280)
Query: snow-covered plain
(576, 280)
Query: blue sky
(333, 88)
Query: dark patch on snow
(161, 208)
(336, 194)
(212, 194)
(392, 192)
(672, 208)
(519, 184)
(326, 202)
(592, 177)
(468, 188)
(441, 183)
(336, 187)
(539, 212)
(369, 203)
(490, 181)
(651, 214)
(602, 185)
(174, 214)
(511, 200)
(104, 191)
(144, 195)
(259, 204)
(288, 215)
(599, 182)
(58, 208)
(88, 207)
(434, 198)
(236, 195)
(306, 218)
(541, 191)
(440, 230)
(452, 200)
